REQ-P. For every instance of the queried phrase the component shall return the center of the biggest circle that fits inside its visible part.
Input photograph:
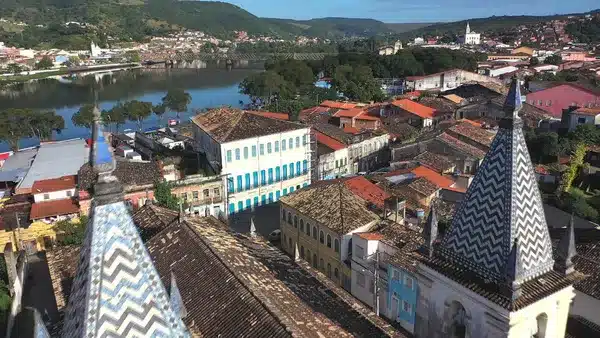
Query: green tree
(295, 72)
(576, 162)
(586, 133)
(164, 197)
(43, 124)
(116, 116)
(71, 232)
(14, 68)
(14, 126)
(5, 302)
(534, 61)
(553, 60)
(45, 63)
(138, 111)
(84, 117)
(266, 86)
(177, 100)
(74, 60)
(357, 83)
(133, 56)
(159, 110)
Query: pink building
(576, 56)
(553, 100)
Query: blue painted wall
(400, 287)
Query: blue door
(239, 183)
(270, 197)
(270, 175)
(231, 208)
(255, 201)
(277, 195)
(247, 179)
(292, 170)
(277, 174)
(263, 177)
(248, 204)
(240, 206)
(255, 178)
(285, 171)
(263, 199)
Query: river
(209, 87)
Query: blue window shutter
(291, 144)
(305, 166)
(228, 155)
(230, 187)
(284, 191)
(270, 197)
(283, 145)
(297, 141)
(240, 206)
(247, 179)
(305, 185)
(253, 151)
(239, 183)
(291, 190)
(263, 177)
(303, 139)
(291, 169)
(270, 175)
(256, 201)
(277, 195)
(237, 154)
(269, 149)
(248, 204)
(245, 153)
(263, 199)
(255, 178)
(285, 171)
(298, 171)
(276, 146)
(262, 149)
(231, 208)
(277, 174)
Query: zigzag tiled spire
(117, 292)
(500, 230)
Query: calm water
(209, 87)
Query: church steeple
(468, 28)
(566, 250)
(430, 232)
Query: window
(303, 139)
(231, 208)
(360, 279)
(263, 177)
(548, 103)
(240, 206)
(270, 171)
(184, 196)
(69, 193)
(263, 200)
(406, 306)
(283, 145)
(290, 243)
(314, 232)
(315, 261)
(237, 154)
(283, 213)
(336, 245)
(295, 221)
(285, 172)
(305, 166)
(291, 170)
(245, 153)
(262, 149)
(408, 282)
(253, 151)
(46, 196)
(284, 191)
(297, 141)
(298, 168)
(336, 273)
(371, 285)
(248, 204)
(322, 264)
(307, 229)
(239, 183)
(336, 163)
(206, 193)
(302, 251)
(270, 197)
(276, 146)
(228, 155)
(246, 182)
(328, 241)
(230, 184)
(542, 323)
(322, 237)
(291, 190)
(539, 102)
(581, 120)
(277, 195)
(360, 252)
(301, 225)
(289, 219)
(329, 270)
(291, 143)
(277, 174)
(396, 275)
(216, 192)
(255, 178)
(269, 149)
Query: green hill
(333, 27)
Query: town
(446, 185)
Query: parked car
(275, 236)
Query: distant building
(445, 80)
(562, 96)
(471, 38)
(523, 50)
(391, 50)
(419, 41)
(575, 116)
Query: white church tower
(471, 38)
(492, 274)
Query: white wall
(362, 267)
(586, 307)
(54, 195)
(589, 119)
(503, 70)
(327, 163)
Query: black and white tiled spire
(500, 231)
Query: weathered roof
(367, 190)
(151, 219)
(472, 132)
(460, 146)
(435, 161)
(423, 186)
(500, 232)
(453, 98)
(53, 184)
(129, 174)
(218, 304)
(329, 142)
(415, 108)
(406, 242)
(579, 327)
(440, 105)
(338, 105)
(45, 209)
(343, 212)
(227, 124)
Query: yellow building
(35, 237)
(317, 223)
(523, 50)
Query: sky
(411, 10)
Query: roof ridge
(243, 112)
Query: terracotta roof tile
(367, 190)
(437, 162)
(351, 130)
(472, 132)
(454, 98)
(53, 208)
(279, 116)
(423, 186)
(371, 236)
(415, 108)
(329, 141)
(433, 177)
(54, 184)
(461, 146)
(352, 112)
(338, 105)
(151, 219)
(130, 174)
(588, 111)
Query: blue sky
(411, 10)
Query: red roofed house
(576, 116)
(333, 157)
(358, 118)
(54, 198)
(338, 105)
(414, 113)
(553, 100)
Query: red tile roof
(352, 112)
(329, 141)
(4, 156)
(371, 236)
(433, 177)
(414, 93)
(471, 122)
(53, 208)
(367, 117)
(338, 105)
(315, 110)
(588, 111)
(351, 130)
(279, 116)
(367, 190)
(415, 108)
(54, 184)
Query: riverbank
(43, 74)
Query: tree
(159, 110)
(84, 117)
(43, 124)
(14, 68)
(553, 60)
(45, 63)
(138, 111)
(534, 61)
(164, 197)
(266, 86)
(576, 162)
(177, 100)
(71, 232)
(14, 126)
(357, 83)
(295, 72)
(74, 60)
(115, 116)
(133, 56)
(586, 133)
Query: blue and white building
(260, 158)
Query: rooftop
(460, 146)
(440, 104)
(588, 111)
(54, 184)
(338, 105)
(474, 133)
(352, 112)
(227, 124)
(128, 173)
(53, 208)
(329, 141)
(437, 162)
(151, 219)
(423, 186)
(279, 116)
(367, 190)
(415, 108)
(438, 180)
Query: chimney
(11, 265)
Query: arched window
(290, 243)
(315, 261)
(322, 264)
(283, 214)
(295, 221)
(289, 217)
(336, 273)
(328, 241)
(302, 252)
(307, 229)
(301, 225)
(315, 232)
(328, 270)
(458, 317)
(541, 324)
(336, 245)
(322, 237)
(308, 255)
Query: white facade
(576, 119)
(442, 304)
(257, 169)
(364, 155)
(502, 70)
(471, 38)
(334, 164)
(54, 195)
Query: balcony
(204, 201)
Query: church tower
(492, 274)
(468, 29)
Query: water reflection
(209, 87)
